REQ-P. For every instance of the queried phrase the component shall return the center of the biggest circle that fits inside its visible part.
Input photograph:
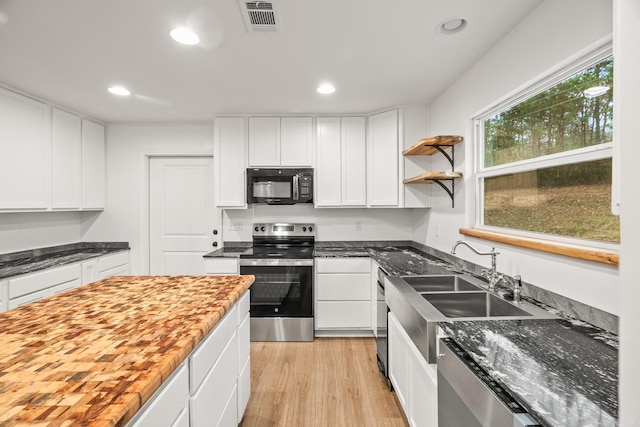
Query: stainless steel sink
(452, 283)
(473, 304)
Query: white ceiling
(378, 53)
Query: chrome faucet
(492, 274)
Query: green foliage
(559, 119)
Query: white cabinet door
(90, 271)
(423, 390)
(382, 159)
(328, 176)
(25, 152)
(264, 141)
(398, 372)
(66, 161)
(93, 165)
(296, 141)
(230, 156)
(354, 161)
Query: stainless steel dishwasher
(468, 396)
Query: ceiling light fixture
(326, 89)
(594, 91)
(184, 36)
(119, 90)
(451, 26)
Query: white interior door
(182, 219)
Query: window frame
(581, 155)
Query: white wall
(332, 224)
(128, 147)
(626, 95)
(22, 231)
(549, 36)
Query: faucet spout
(493, 274)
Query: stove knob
(262, 228)
(304, 228)
(310, 229)
(257, 229)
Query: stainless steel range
(281, 260)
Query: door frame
(145, 211)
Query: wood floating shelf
(430, 146)
(431, 177)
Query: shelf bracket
(444, 187)
(444, 153)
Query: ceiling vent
(260, 16)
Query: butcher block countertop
(95, 354)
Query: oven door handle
(276, 262)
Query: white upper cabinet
(25, 152)
(277, 142)
(296, 141)
(66, 162)
(382, 159)
(340, 176)
(93, 165)
(264, 141)
(230, 156)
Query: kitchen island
(95, 354)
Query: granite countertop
(16, 263)
(95, 354)
(564, 371)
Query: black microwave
(285, 186)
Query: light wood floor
(328, 382)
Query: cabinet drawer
(343, 287)
(64, 286)
(343, 265)
(244, 340)
(244, 388)
(343, 314)
(26, 299)
(209, 403)
(42, 280)
(167, 404)
(221, 266)
(209, 350)
(115, 260)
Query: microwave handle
(296, 179)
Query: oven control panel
(281, 229)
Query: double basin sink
(455, 297)
(421, 302)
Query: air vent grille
(259, 16)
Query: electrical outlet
(235, 227)
(358, 226)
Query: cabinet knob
(215, 232)
(214, 244)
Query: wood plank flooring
(328, 382)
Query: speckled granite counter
(95, 354)
(16, 263)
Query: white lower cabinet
(32, 287)
(343, 296)
(114, 265)
(221, 266)
(213, 388)
(168, 405)
(414, 381)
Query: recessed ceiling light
(119, 90)
(594, 91)
(185, 36)
(326, 89)
(451, 26)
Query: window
(544, 163)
